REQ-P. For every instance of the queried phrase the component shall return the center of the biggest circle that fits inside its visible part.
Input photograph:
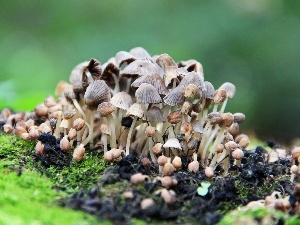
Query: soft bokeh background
(254, 44)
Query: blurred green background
(254, 44)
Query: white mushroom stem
(129, 135)
(79, 108)
(171, 132)
(223, 105)
(128, 85)
(218, 140)
(89, 137)
(117, 86)
(104, 141)
(206, 132)
(211, 137)
(111, 119)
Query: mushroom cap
(239, 117)
(172, 143)
(108, 69)
(105, 109)
(141, 67)
(155, 80)
(68, 114)
(229, 88)
(191, 65)
(124, 57)
(197, 126)
(135, 110)
(76, 76)
(121, 100)
(175, 97)
(146, 93)
(173, 73)
(94, 67)
(193, 78)
(209, 90)
(140, 53)
(192, 91)
(96, 92)
(175, 117)
(69, 93)
(164, 61)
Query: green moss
(266, 216)
(28, 198)
(14, 149)
(77, 175)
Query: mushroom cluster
(142, 104)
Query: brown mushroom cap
(164, 61)
(229, 88)
(105, 109)
(96, 92)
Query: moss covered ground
(32, 193)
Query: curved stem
(129, 135)
(76, 104)
(87, 140)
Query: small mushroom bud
(64, 144)
(294, 169)
(116, 153)
(108, 157)
(25, 136)
(296, 152)
(138, 178)
(177, 162)
(168, 168)
(7, 128)
(150, 131)
(167, 181)
(219, 148)
(238, 154)
(157, 148)
(146, 203)
(29, 123)
(41, 110)
(72, 134)
(194, 165)
(78, 124)
(234, 129)
(209, 172)
(19, 130)
(162, 160)
(50, 101)
(33, 132)
(79, 152)
(168, 196)
(175, 117)
(231, 145)
(39, 148)
(128, 195)
(239, 117)
(244, 142)
(239, 137)
(273, 156)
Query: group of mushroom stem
(139, 103)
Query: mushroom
(136, 111)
